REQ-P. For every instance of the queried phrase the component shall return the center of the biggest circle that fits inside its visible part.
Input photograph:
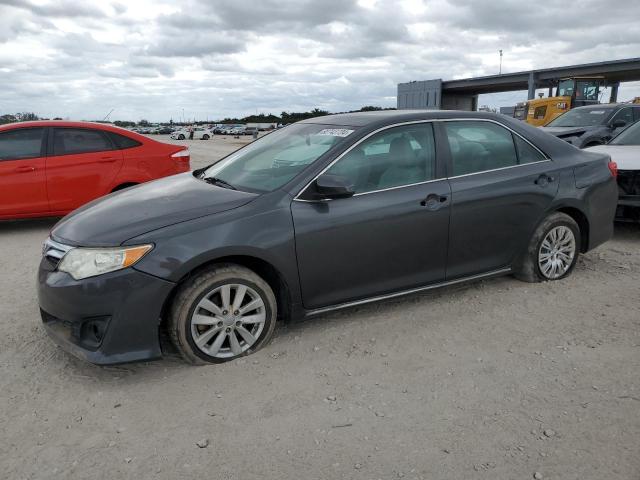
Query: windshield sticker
(335, 132)
(596, 112)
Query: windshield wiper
(219, 182)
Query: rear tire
(222, 313)
(552, 252)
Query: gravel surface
(497, 379)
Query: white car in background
(624, 149)
(199, 133)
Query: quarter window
(67, 141)
(123, 141)
(21, 143)
(392, 158)
(480, 146)
(526, 153)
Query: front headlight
(88, 262)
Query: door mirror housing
(618, 123)
(329, 186)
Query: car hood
(565, 131)
(626, 156)
(120, 216)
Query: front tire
(205, 137)
(180, 137)
(221, 314)
(552, 252)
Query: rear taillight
(613, 168)
(182, 160)
(181, 153)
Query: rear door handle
(25, 169)
(434, 201)
(543, 180)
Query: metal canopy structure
(460, 91)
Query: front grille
(629, 182)
(54, 251)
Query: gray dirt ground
(493, 380)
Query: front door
(501, 187)
(22, 176)
(390, 236)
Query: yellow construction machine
(570, 93)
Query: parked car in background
(594, 124)
(251, 130)
(625, 150)
(199, 133)
(366, 207)
(164, 130)
(49, 168)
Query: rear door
(501, 187)
(22, 172)
(82, 166)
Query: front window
(631, 136)
(395, 157)
(273, 160)
(21, 143)
(565, 88)
(587, 117)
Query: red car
(49, 168)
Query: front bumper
(107, 319)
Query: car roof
(65, 123)
(384, 117)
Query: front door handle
(25, 169)
(434, 201)
(543, 180)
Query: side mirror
(332, 186)
(618, 123)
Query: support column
(614, 93)
(550, 92)
(532, 87)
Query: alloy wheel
(556, 253)
(228, 321)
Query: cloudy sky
(162, 59)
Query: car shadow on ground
(172, 364)
(27, 224)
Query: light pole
(500, 73)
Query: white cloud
(152, 59)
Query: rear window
(122, 141)
(67, 141)
(21, 143)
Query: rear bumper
(108, 319)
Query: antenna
(500, 72)
(110, 112)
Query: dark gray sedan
(324, 214)
(592, 125)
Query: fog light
(93, 331)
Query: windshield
(578, 117)
(630, 136)
(273, 160)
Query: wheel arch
(274, 278)
(582, 221)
